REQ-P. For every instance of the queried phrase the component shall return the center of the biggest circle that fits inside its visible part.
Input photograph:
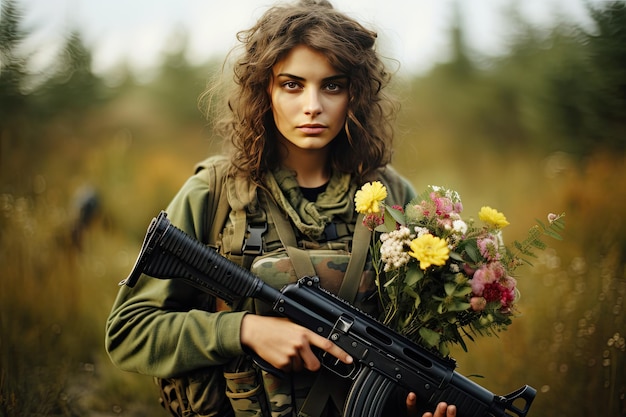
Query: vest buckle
(253, 244)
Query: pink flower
(508, 291)
(373, 220)
(483, 276)
(491, 273)
(488, 247)
(445, 223)
(478, 303)
(497, 292)
(492, 292)
(508, 282)
(507, 296)
(498, 270)
(468, 269)
(443, 205)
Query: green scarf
(309, 217)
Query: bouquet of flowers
(441, 278)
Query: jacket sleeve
(401, 192)
(162, 327)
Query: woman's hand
(286, 345)
(442, 410)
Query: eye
(291, 85)
(333, 87)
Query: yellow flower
(369, 197)
(492, 217)
(429, 250)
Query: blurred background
(516, 105)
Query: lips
(312, 128)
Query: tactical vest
(249, 229)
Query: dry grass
(55, 295)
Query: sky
(413, 32)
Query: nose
(312, 103)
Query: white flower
(420, 231)
(459, 226)
(392, 249)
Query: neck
(311, 166)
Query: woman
(309, 123)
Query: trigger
(344, 370)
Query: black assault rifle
(382, 357)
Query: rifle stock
(383, 358)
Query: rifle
(382, 357)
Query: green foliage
(587, 90)
(13, 71)
(179, 84)
(534, 239)
(561, 89)
(71, 86)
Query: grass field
(59, 275)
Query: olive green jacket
(166, 328)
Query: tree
(179, 83)
(13, 67)
(13, 78)
(72, 86)
(588, 93)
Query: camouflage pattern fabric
(197, 394)
(246, 393)
(330, 265)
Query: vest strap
(300, 259)
(327, 386)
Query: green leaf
(413, 294)
(413, 276)
(449, 287)
(462, 291)
(456, 256)
(553, 234)
(459, 306)
(396, 214)
(472, 251)
(444, 349)
(430, 337)
(382, 228)
(389, 282)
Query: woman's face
(309, 99)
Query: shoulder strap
(356, 264)
(300, 259)
(218, 206)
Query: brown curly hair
(366, 141)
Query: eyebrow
(295, 77)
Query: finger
(411, 404)
(451, 412)
(441, 410)
(296, 364)
(328, 346)
(308, 358)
